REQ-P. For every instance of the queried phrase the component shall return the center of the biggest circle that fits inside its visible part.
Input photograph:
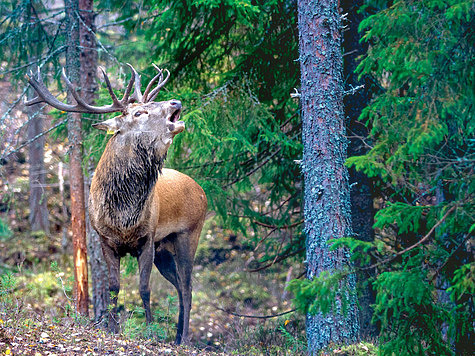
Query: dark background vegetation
(234, 64)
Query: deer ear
(111, 125)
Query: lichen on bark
(327, 200)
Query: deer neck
(128, 176)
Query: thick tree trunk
(39, 219)
(78, 216)
(327, 209)
(362, 210)
(88, 58)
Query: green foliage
(28, 35)
(291, 341)
(405, 306)
(406, 217)
(7, 286)
(130, 265)
(208, 41)
(279, 336)
(360, 349)
(229, 150)
(233, 65)
(323, 294)
(134, 326)
(421, 60)
(5, 231)
(463, 283)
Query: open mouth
(175, 116)
(175, 126)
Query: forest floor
(37, 307)
(70, 338)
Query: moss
(360, 349)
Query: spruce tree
(421, 61)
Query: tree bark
(327, 209)
(78, 216)
(362, 210)
(88, 54)
(99, 272)
(39, 217)
(64, 209)
(88, 59)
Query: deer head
(156, 122)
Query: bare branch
(254, 316)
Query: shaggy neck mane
(128, 181)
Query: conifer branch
(414, 245)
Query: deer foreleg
(113, 265)
(145, 261)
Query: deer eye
(138, 113)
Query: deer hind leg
(113, 265)
(174, 259)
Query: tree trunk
(99, 272)
(39, 219)
(88, 55)
(88, 58)
(64, 209)
(327, 209)
(362, 210)
(78, 216)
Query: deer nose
(176, 104)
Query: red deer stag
(136, 206)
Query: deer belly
(169, 226)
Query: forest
(299, 172)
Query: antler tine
(109, 88)
(37, 99)
(44, 95)
(150, 84)
(73, 91)
(137, 96)
(160, 85)
(125, 98)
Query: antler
(161, 82)
(45, 96)
(148, 95)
